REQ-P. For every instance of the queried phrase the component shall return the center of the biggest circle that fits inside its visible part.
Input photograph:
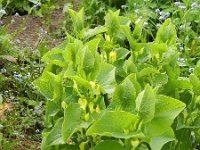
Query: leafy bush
(106, 89)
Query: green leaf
(85, 60)
(133, 79)
(81, 82)
(121, 53)
(72, 115)
(160, 79)
(112, 23)
(52, 108)
(1, 137)
(138, 30)
(145, 104)
(158, 142)
(55, 135)
(124, 95)
(118, 124)
(78, 21)
(124, 21)
(93, 45)
(147, 71)
(108, 145)
(127, 32)
(157, 50)
(105, 77)
(167, 33)
(92, 32)
(166, 110)
(49, 85)
(54, 57)
(195, 83)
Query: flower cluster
(19, 77)
(163, 15)
(179, 5)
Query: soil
(30, 31)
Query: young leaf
(105, 77)
(124, 95)
(158, 142)
(85, 59)
(112, 23)
(145, 104)
(72, 120)
(195, 83)
(49, 85)
(167, 33)
(54, 57)
(92, 32)
(138, 30)
(78, 21)
(166, 110)
(55, 135)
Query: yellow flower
(113, 56)
(83, 103)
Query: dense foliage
(108, 87)
(127, 76)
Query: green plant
(22, 7)
(105, 88)
(21, 106)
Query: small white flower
(37, 131)
(158, 25)
(5, 92)
(162, 18)
(182, 7)
(177, 3)
(157, 11)
(39, 4)
(178, 44)
(12, 97)
(13, 21)
(2, 12)
(167, 14)
(136, 11)
(182, 27)
(191, 70)
(194, 5)
(181, 61)
(1, 127)
(22, 69)
(123, 6)
(21, 136)
(138, 20)
(3, 70)
(28, 74)
(18, 41)
(16, 14)
(145, 25)
(181, 48)
(15, 133)
(162, 13)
